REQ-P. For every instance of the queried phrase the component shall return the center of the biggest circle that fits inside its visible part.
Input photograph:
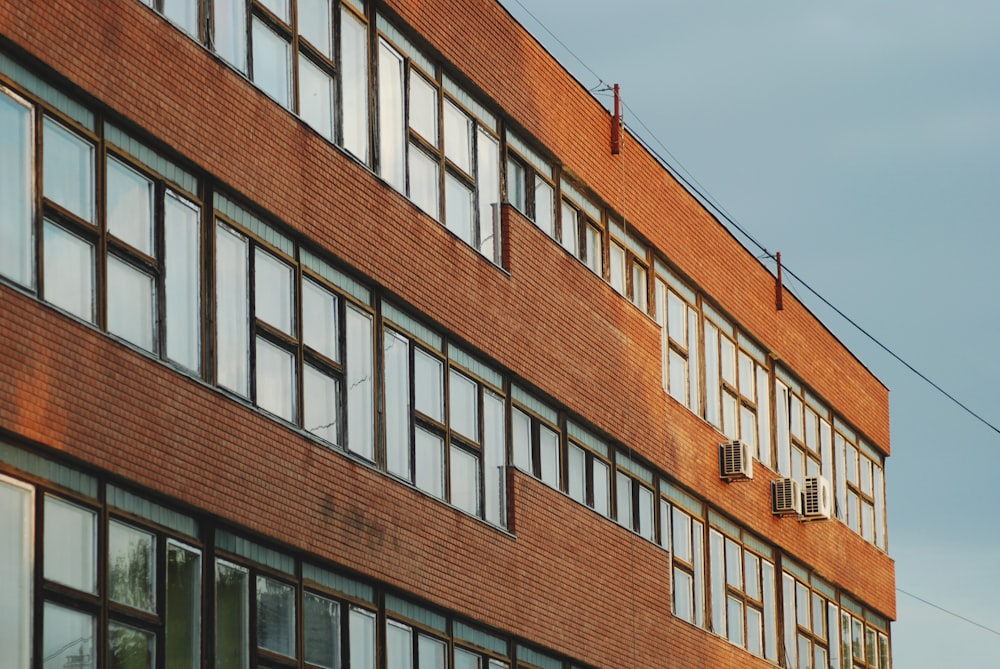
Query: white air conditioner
(786, 497)
(817, 498)
(735, 461)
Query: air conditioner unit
(786, 497)
(735, 461)
(817, 498)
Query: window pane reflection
(69, 271)
(183, 608)
(321, 631)
(271, 63)
(429, 462)
(130, 206)
(465, 480)
(232, 311)
(68, 639)
(273, 291)
(182, 255)
(276, 616)
(360, 384)
(131, 303)
(16, 191)
(68, 170)
(321, 404)
(131, 567)
(130, 648)
(70, 545)
(316, 96)
(275, 380)
(232, 617)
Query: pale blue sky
(862, 140)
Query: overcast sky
(862, 140)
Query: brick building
(336, 336)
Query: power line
(950, 613)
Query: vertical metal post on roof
(778, 290)
(616, 124)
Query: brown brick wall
(548, 320)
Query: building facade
(336, 336)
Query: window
(677, 314)
(438, 146)
(804, 436)
(17, 503)
(529, 185)
(683, 534)
(860, 487)
(536, 442)
(812, 628)
(149, 596)
(580, 230)
(864, 638)
(743, 593)
(444, 427)
(264, 345)
(408, 649)
(737, 386)
(635, 502)
(628, 266)
(588, 470)
(17, 188)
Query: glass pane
(463, 405)
(275, 380)
(70, 545)
(131, 304)
(432, 652)
(879, 509)
(130, 648)
(16, 568)
(857, 639)
(354, 83)
(360, 384)
(232, 311)
(457, 137)
(646, 526)
(805, 652)
(819, 616)
(458, 209)
(623, 499)
(16, 191)
(795, 416)
(640, 296)
(751, 570)
(466, 660)
(183, 614)
(516, 194)
(465, 480)
(698, 536)
(131, 566)
(316, 25)
(570, 229)
(320, 330)
(362, 636)
(883, 651)
(275, 616)
(182, 262)
(428, 384)
(616, 267)
(69, 271)
(232, 617)
(711, 374)
(429, 462)
(819, 657)
(602, 487)
(184, 13)
(275, 298)
(727, 356)
(871, 647)
(595, 260)
(130, 206)
(316, 96)
(494, 458)
(770, 611)
(521, 438)
(683, 601)
(576, 483)
(734, 564)
(718, 584)
(68, 639)
(802, 606)
(544, 207)
(423, 107)
(734, 615)
(424, 182)
(399, 646)
(271, 63)
(866, 476)
(230, 31)
(391, 121)
(321, 404)
(279, 7)
(488, 194)
(729, 404)
(747, 380)
(321, 631)
(397, 403)
(681, 536)
(68, 170)
(548, 451)
(763, 416)
(754, 638)
(677, 380)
